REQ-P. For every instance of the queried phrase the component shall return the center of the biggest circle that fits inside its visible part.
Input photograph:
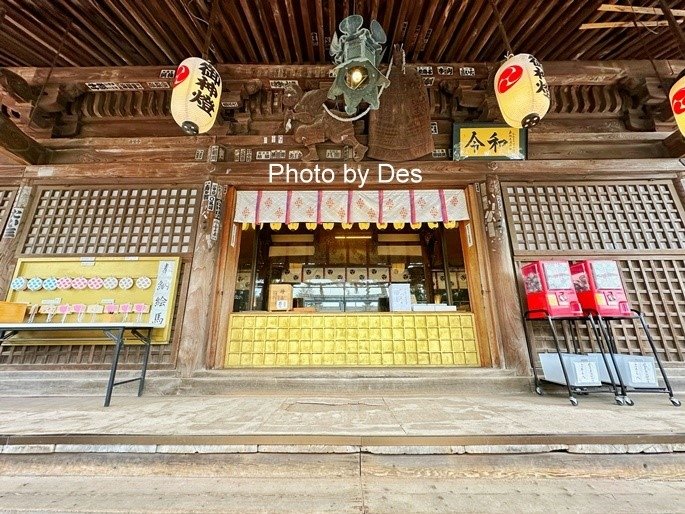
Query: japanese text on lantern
(208, 84)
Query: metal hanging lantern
(358, 53)
(676, 97)
(196, 96)
(522, 91)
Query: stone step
(279, 381)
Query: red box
(549, 287)
(600, 289)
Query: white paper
(642, 372)
(586, 373)
(162, 296)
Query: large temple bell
(357, 54)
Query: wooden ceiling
(164, 32)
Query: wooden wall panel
(74, 221)
(619, 216)
(108, 220)
(639, 224)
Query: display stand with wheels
(640, 376)
(583, 377)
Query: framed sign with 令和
(490, 142)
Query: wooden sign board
(490, 142)
(95, 290)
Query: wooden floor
(342, 483)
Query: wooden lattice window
(112, 221)
(6, 199)
(606, 217)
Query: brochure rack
(582, 373)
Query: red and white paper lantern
(677, 98)
(196, 95)
(522, 91)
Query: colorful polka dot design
(35, 284)
(64, 283)
(143, 282)
(79, 283)
(126, 282)
(18, 284)
(110, 283)
(50, 284)
(95, 283)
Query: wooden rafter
(623, 25)
(638, 10)
(164, 32)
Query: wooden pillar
(11, 236)
(224, 294)
(195, 328)
(504, 278)
(483, 305)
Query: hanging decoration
(677, 98)
(358, 54)
(196, 96)
(520, 86)
(522, 91)
(676, 94)
(400, 130)
(347, 208)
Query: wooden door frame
(475, 263)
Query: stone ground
(469, 452)
(358, 483)
(372, 414)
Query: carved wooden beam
(675, 144)
(15, 142)
(557, 72)
(435, 173)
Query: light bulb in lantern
(356, 77)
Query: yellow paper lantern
(415, 226)
(382, 226)
(450, 224)
(310, 226)
(293, 226)
(522, 91)
(275, 226)
(364, 225)
(399, 225)
(677, 98)
(196, 96)
(346, 226)
(328, 226)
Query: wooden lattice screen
(112, 221)
(6, 199)
(78, 221)
(562, 218)
(639, 224)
